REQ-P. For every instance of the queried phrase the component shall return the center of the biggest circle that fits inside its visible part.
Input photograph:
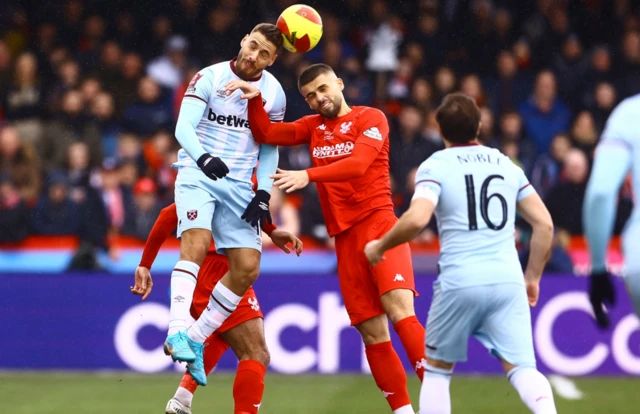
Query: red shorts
(214, 267)
(361, 284)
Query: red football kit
(350, 156)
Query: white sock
(183, 283)
(407, 409)
(534, 389)
(221, 304)
(184, 396)
(434, 392)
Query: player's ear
(244, 39)
(340, 83)
(273, 59)
(479, 129)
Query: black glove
(212, 167)
(601, 291)
(257, 212)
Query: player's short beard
(334, 111)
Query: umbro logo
(178, 299)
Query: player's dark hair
(313, 71)
(271, 33)
(458, 117)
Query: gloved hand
(601, 291)
(212, 167)
(257, 212)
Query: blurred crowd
(90, 91)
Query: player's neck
(448, 144)
(344, 110)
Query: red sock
(212, 353)
(388, 372)
(411, 333)
(248, 387)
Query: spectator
(509, 88)
(140, 218)
(69, 126)
(511, 134)
(543, 114)
(546, 170)
(408, 149)
(14, 216)
(78, 171)
(114, 197)
(104, 112)
(584, 133)
(357, 89)
(565, 198)
(150, 111)
(56, 213)
(605, 99)
(5, 71)
(24, 102)
(20, 162)
(570, 68)
(168, 69)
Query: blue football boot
(177, 346)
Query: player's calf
(434, 392)
(533, 387)
(398, 304)
(193, 249)
(248, 343)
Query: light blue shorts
(202, 203)
(497, 315)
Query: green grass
(38, 393)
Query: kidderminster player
(242, 331)
(350, 153)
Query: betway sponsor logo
(228, 120)
(335, 150)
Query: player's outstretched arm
(611, 164)
(264, 131)
(164, 225)
(535, 213)
(406, 229)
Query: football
(301, 28)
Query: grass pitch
(40, 393)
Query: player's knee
(245, 271)
(398, 304)
(259, 353)
(374, 330)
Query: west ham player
(617, 154)
(243, 331)
(350, 152)
(213, 190)
(475, 191)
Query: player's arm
(166, 222)
(264, 131)
(162, 228)
(611, 165)
(533, 210)
(257, 212)
(192, 108)
(275, 133)
(374, 130)
(414, 220)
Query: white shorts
(497, 315)
(202, 203)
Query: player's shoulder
(630, 104)
(216, 69)
(369, 113)
(313, 121)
